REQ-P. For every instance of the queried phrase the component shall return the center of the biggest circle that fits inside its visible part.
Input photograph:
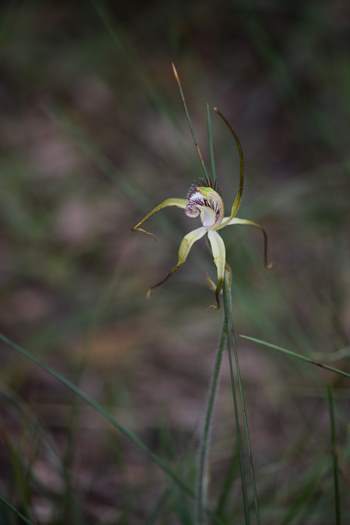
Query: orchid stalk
(204, 202)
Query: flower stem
(228, 340)
(203, 456)
(247, 469)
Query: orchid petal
(184, 250)
(179, 203)
(219, 254)
(246, 222)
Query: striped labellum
(205, 202)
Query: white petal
(219, 254)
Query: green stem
(13, 509)
(247, 468)
(228, 323)
(301, 357)
(203, 457)
(334, 456)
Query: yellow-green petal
(179, 203)
(184, 250)
(219, 254)
(187, 243)
(246, 222)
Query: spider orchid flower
(205, 203)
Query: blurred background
(92, 136)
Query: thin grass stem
(131, 436)
(203, 457)
(15, 511)
(244, 484)
(211, 145)
(247, 466)
(190, 125)
(337, 506)
(295, 355)
(227, 484)
(158, 507)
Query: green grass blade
(203, 458)
(334, 456)
(103, 413)
(21, 480)
(227, 485)
(153, 517)
(304, 497)
(211, 145)
(13, 509)
(295, 355)
(244, 482)
(337, 355)
(127, 55)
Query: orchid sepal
(184, 249)
(172, 201)
(247, 222)
(238, 197)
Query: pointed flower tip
(150, 234)
(149, 293)
(215, 306)
(211, 284)
(175, 71)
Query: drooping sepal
(246, 222)
(184, 250)
(238, 197)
